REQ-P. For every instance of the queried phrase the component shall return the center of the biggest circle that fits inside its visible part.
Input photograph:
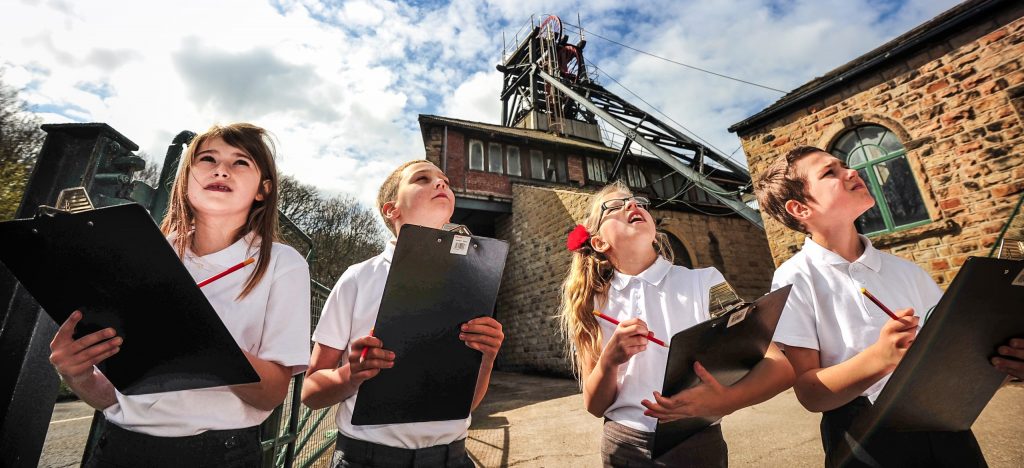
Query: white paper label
(736, 317)
(460, 245)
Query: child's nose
(440, 184)
(220, 170)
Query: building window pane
(881, 160)
(476, 155)
(635, 177)
(537, 164)
(900, 191)
(598, 169)
(494, 158)
(513, 161)
(554, 168)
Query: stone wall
(538, 262)
(956, 106)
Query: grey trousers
(623, 446)
(353, 453)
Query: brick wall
(956, 106)
(457, 168)
(575, 164)
(488, 183)
(538, 262)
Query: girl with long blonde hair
(223, 211)
(621, 267)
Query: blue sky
(341, 84)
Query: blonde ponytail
(586, 287)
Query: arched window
(881, 160)
(476, 155)
(682, 256)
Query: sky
(341, 84)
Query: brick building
(933, 121)
(529, 187)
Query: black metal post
(71, 156)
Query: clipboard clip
(70, 201)
(723, 299)
(457, 228)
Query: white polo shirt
(271, 322)
(669, 299)
(826, 310)
(349, 314)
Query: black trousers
(354, 453)
(119, 447)
(848, 445)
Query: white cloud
(476, 99)
(341, 83)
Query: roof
(896, 49)
(516, 132)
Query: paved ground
(529, 421)
(65, 440)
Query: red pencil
(362, 355)
(226, 272)
(650, 334)
(878, 303)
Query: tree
(151, 173)
(20, 141)
(343, 232)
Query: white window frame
(517, 168)
(495, 156)
(476, 164)
(537, 164)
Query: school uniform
(213, 426)
(668, 299)
(349, 314)
(827, 312)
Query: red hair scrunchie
(577, 238)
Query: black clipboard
(115, 265)
(438, 281)
(728, 347)
(946, 378)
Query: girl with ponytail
(622, 268)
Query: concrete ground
(66, 437)
(530, 421)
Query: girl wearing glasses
(623, 268)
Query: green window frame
(881, 160)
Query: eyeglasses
(618, 203)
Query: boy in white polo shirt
(843, 348)
(417, 192)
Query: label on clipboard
(460, 245)
(737, 317)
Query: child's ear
(798, 210)
(267, 187)
(389, 210)
(598, 244)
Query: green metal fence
(316, 431)
(295, 435)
